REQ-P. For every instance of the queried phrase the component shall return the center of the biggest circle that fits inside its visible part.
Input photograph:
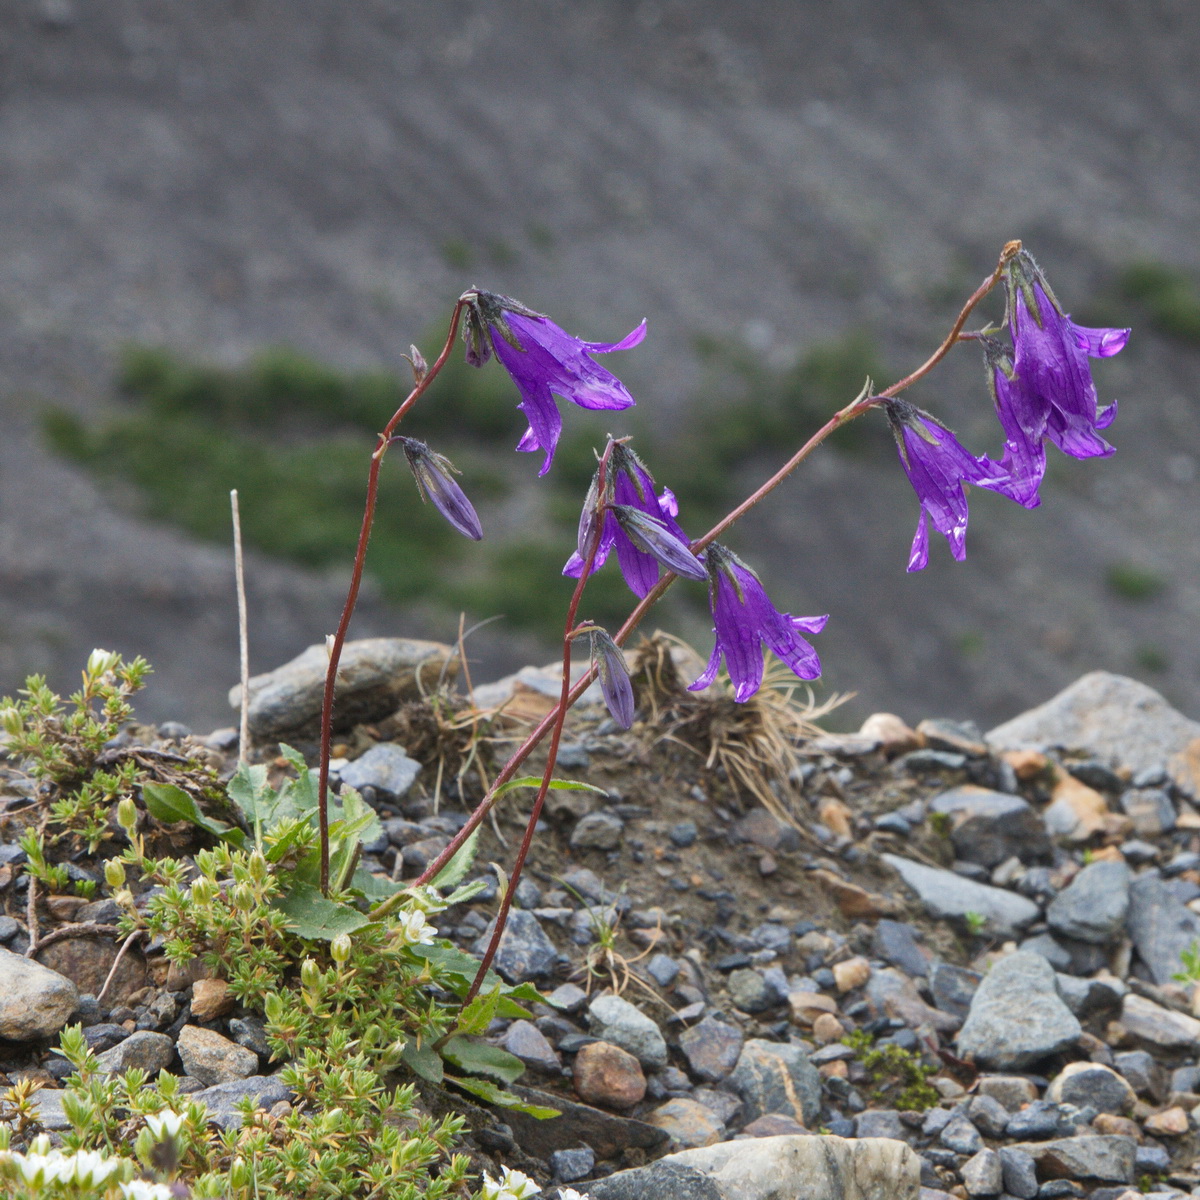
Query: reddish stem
(556, 715)
(360, 557)
(555, 737)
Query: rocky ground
(967, 944)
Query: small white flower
(513, 1185)
(572, 1194)
(87, 1168)
(163, 1125)
(139, 1189)
(415, 930)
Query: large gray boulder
(790, 1167)
(35, 1002)
(1115, 719)
(950, 896)
(989, 827)
(1094, 906)
(1017, 1017)
(1160, 926)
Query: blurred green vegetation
(1133, 582)
(1170, 298)
(294, 436)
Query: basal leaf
(167, 803)
(311, 915)
(480, 1058)
(492, 1094)
(423, 1060)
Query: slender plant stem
(555, 735)
(338, 640)
(556, 715)
(239, 572)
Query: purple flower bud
(544, 361)
(651, 536)
(743, 619)
(435, 481)
(613, 672)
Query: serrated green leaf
(556, 785)
(466, 892)
(374, 887)
(310, 915)
(459, 864)
(249, 790)
(423, 1060)
(481, 1058)
(502, 1098)
(478, 1015)
(167, 803)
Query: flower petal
(1100, 343)
(918, 556)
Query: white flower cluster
(516, 1185)
(90, 1172)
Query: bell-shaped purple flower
(434, 474)
(1057, 398)
(544, 361)
(937, 466)
(631, 487)
(1024, 458)
(613, 673)
(743, 620)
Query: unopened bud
(10, 719)
(434, 474)
(100, 662)
(127, 814)
(114, 873)
(614, 676)
(242, 897)
(420, 368)
(259, 870)
(239, 1174)
(340, 948)
(310, 974)
(653, 537)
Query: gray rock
(1105, 1158)
(528, 1043)
(213, 1059)
(1020, 1173)
(988, 1115)
(989, 827)
(1162, 1027)
(384, 767)
(1038, 1120)
(711, 1048)
(148, 1051)
(598, 831)
(663, 969)
(617, 1021)
(749, 991)
(896, 943)
(525, 952)
(569, 1165)
(879, 1123)
(35, 1002)
(948, 895)
(48, 1106)
(1150, 810)
(1084, 997)
(892, 994)
(953, 987)
(577, 1124)
(792, 1167)
(961, 1136)
(1144, 1073)
(1094, 906)
(1160, 927)
(1092, 1085)
(983, 1174)
(375, 676)
(222, 1099)
(774, 1077)
(1116, 720)
(1012, 1091)
(1017, 1016)
(1051, 949)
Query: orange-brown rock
(211, 999)
(855, 902)
(609, 1076)
(894, 734)
(837, 818)
(851, 974)
(1171, 1122)
(827, 1028)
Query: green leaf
(466, 892)
(459, 865)
(423, 1060)
(168, 804)
(311, 915)
(480, 1058)
(477, 1016)
(249, 790)
(374, 887)
(557, 785)
(492, 1094)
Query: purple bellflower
(613, 673)
(1056, 398)
(1024, 458)
(544, 361)
(937, 466)
(639, 523)
(744, 617)
(435, 481)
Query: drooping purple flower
(613, 673)
(937, 466)
(630, 486)
(1057, 398)
(434, 474)
(544, 361)
(743, 619)
(1024, 458)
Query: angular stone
(1013, 1091)
(384, 767)
(892, 994)
(375, 676)
(222, 1099)
(1162, 1027)
(608, 1134)
(947, 895)
(953, 987)
(765, 831)
(1116, 720)
(211, 998)
(896, 943)
(525, 952)
(606, 1074)
(1077, 812)
(961, 1136)
(749, 991)
(988, 1115)
(983, 1174)
(688, 1123)
(1020, 1173)
(148, 1051)
(1160, 927)
(1017, 1016)
(1094, 906)
(87, 962)
(213, 1059)
(776, 1077)
(711, 1048)
(528, 1043)
(1087, 1084)
(1171, 1122)
(1105, 1158)
(989, 827)
(623, 1024)
(598, 831)
(893, 734)
(35, 1002)
(773, 1168)
(879, 1123)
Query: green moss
(1169, 296)
(1133, 582)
